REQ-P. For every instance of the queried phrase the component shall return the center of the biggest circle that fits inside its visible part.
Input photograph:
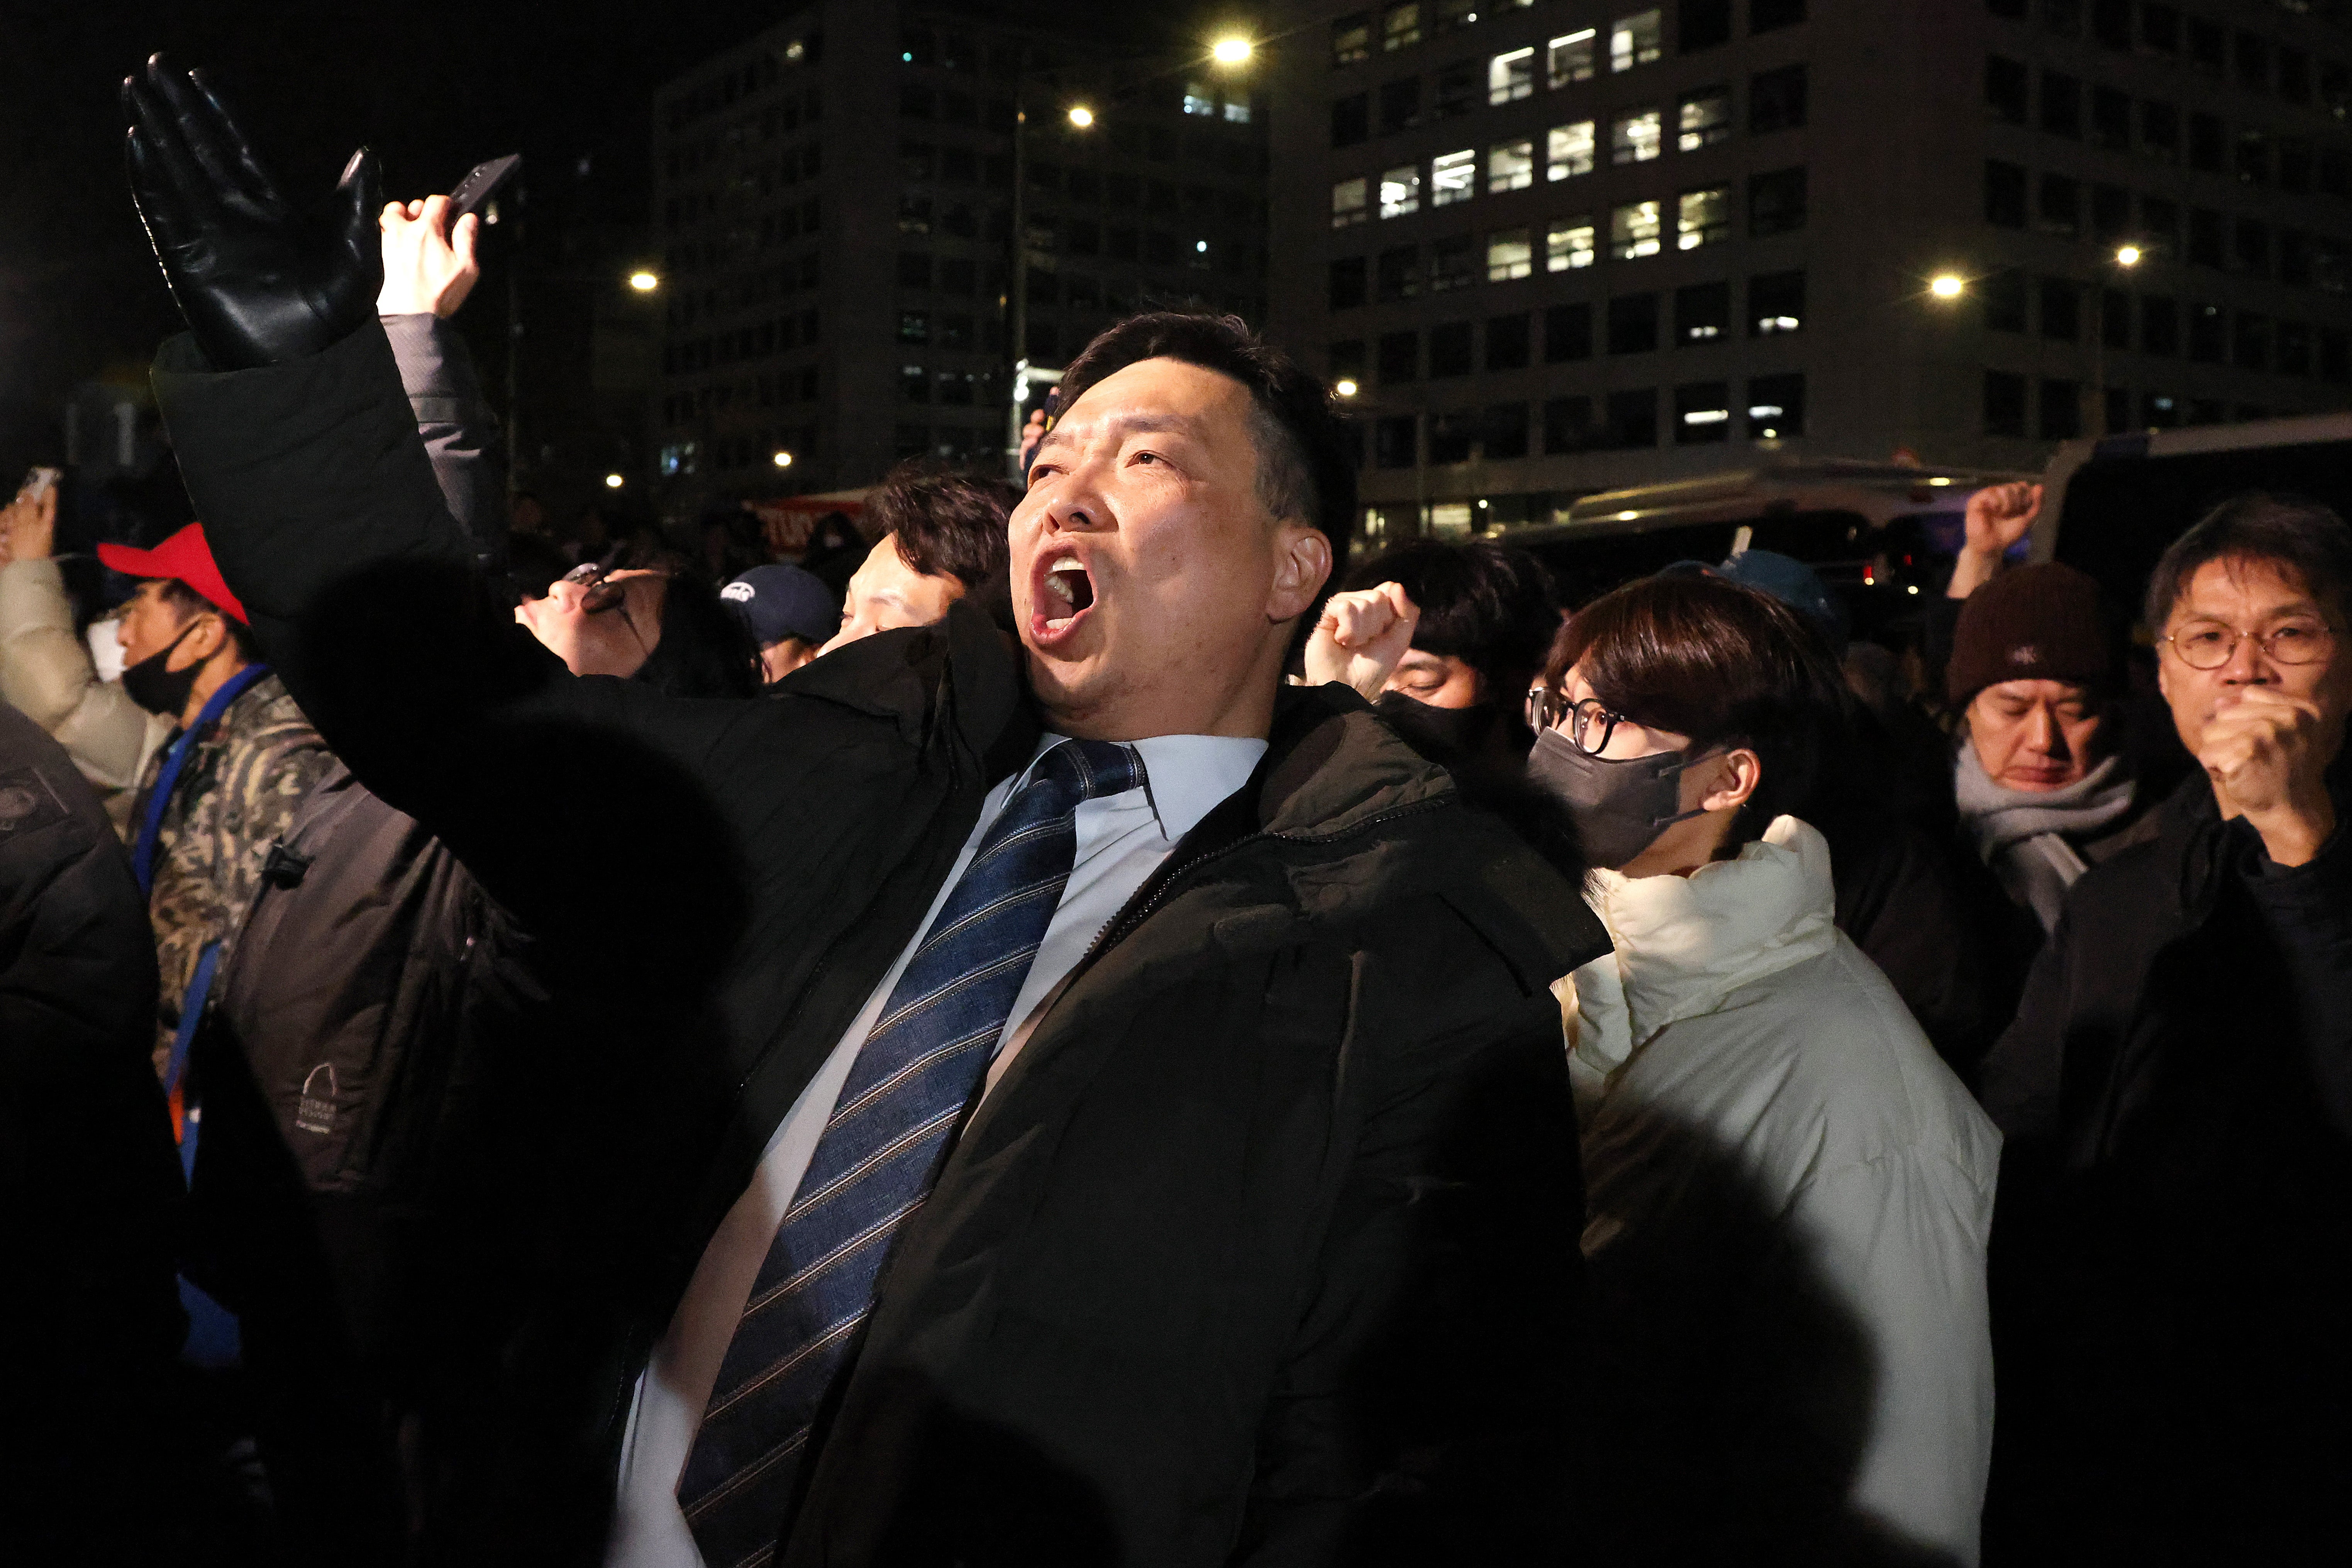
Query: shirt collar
(1185, 776)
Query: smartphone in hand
(480, 184)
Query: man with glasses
(2175, 1250)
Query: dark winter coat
(2173, 1254)
(89, 1186)
(1264, 1250)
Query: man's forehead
(1155, 394)
(2233, 581)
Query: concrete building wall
(1904, 118)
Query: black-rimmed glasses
(1588, 723)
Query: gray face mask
(1620, 807)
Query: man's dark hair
(1486, 604)
(950, 524)
(1722, 664)
(2306, 539)
(189, 602)
(1305, 468)
(706, 649)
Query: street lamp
(613, 481)
(783, 459)
(1344, 387)
(1947, 286)
(1236, 51)
(644, 281)
(1081, 116)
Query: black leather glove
(259, 283)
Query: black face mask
(1620, 807)
(1440, 734)
(157, 689)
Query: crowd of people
(1075, 1027)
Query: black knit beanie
(2036, 623)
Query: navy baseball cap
(780, 602)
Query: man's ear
(207, 635)
(1302, 560)
(1733, 779)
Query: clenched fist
(1360, 638)
(2262, 751)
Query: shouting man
(1084, 1103)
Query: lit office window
(1198, 99)
(1567, 244)
(1509, 253)
(1702, 118)
(1704, 217)
(1568, 150)
(1570, 58)
(1511, 76)
(1637, 40)
(1452, 177)
(1350, 202)
(1401, 191)
(1511, 166)
(1401, 25)
(1636, 136)
(1237, 110)
(1633, 231)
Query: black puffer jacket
(2172, 1258)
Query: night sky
(434, 87)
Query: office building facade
(1557, 246)
(835, 212)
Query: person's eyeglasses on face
(2210, 645)
(1587, 723)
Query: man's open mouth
(1065, 591)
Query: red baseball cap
(184, 555)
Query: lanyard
(143, 855)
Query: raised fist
(258, 283)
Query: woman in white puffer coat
(1789, 1193)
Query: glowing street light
(1344, 387)
(1947, 286)
(613, 481)
(1081, 116)
(645, 282)
(1236, 51)
(2127, 256)
(783, 459)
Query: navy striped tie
(905, 1094)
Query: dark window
(1776, 201)
(2294, 257)
(2159, 221)
(2012, 9)
(2061, 308)
(914, 326)
(2004, 301)
(2253, 57)
(1351, 118)
(2111, 23)
(2009, 89)
(1703, 24)
(1507, 342)
(1568, 426)
(2335, 355)
(918, 103)
(914, 269)
(1776, 407)
(2061, 105)
(2063, 17)
(2250, 341)
(1776, 303)
(2159, 131)
(1346, 360)
(1775, 99)
(2293, 75)
(2335, 89)
(2294, 166)
(2207, 146)
(914, 384)
(1399, 105)
(2334, 173)
(2293, 343)
(2111, 117)
(2061, 410)
(1346, 283)
(2060, 210)
(1450, 435)
(2252, 161)
(1400, 274)
(2004, 194)
(1450, 352)
(2159, 29)
(2110, 212)
(1567, 333)
(2160, 411)
(1632, 324)
(2205, 237)
(1459, 89)
(1399, 356)
(1451, 264)
(2251, 245)
(1394, 442)
(1702, 413)
(2206, 42)
(1506, 430)
(2207, 338)
(2115, 318)
(2207, 411)
(1702, 313)
(1633, 419)
(1764, 15)
(2004, 403)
